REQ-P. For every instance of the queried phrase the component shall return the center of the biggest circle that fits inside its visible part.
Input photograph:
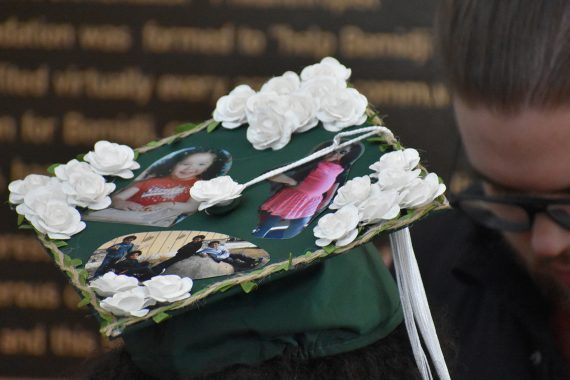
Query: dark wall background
(75, 72)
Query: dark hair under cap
(389, 358)
(342, 304)
(506, 54)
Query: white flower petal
(328, 67)
(112, 159)
(230, 109)
(342, 108)
(347, 239)
(215, 191)
(353, 191)
(111, 283)
(339, 226)
(168, 288)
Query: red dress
(303, 199)
(166, 189)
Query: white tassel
(415, 306)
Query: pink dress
(303, 200)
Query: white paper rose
(379, 205)
(230, 109)
(421, 192)
(112, 159)
(168, 288)
(63, 172)
(214, 191)
(36, 199)
(353, 191)
(304, 107)
(19, 188)
(282, 85)
(396, 178)
(266, 101)
(341, 109)
(328, 67)
(85, 187)
(269, 129)
(339, 227)
(110, 283)
(129, 303)
(320, 87)
(407, 159)
(56, 219)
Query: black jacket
(495, 312)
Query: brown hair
(506, 54)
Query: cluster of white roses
(126, 297)
(360, 202)
(48, 203)
(292, 104)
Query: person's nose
(548, 239)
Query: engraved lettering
(35, 34)
(312, 42)
(29, 295)
(206, 41)
(23, 341)
(78, 129)
(107, 38)
(414, 45)
(23, 82)
(37, 129)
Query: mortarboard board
(247, 234)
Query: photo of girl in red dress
(302, 193)
(160, 196)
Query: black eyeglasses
(512, 213)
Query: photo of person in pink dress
(302, 193)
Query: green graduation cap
(246, 235)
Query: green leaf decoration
(84, 302)
(83, 276)
(51, 168)
(160, 317)
(290, 261)
(67, 260)
(248, 286)
(225, 288)
(409, 213)
(212, 126)
(20, 219)
(80, 157)
(152, 144)
(185, 127)
(284, 266)
(25, 227)
(330, 248)
(136, 155)
(376, 139)
(106, 317)
(60, 243)
(76, 262)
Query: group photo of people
(160, 195)
(184, 253)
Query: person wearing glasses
(499, 264)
